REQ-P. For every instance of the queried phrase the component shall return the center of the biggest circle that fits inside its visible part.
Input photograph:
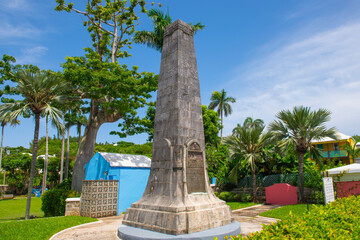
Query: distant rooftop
(340, 136)
(126, 160)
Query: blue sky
(269, 55)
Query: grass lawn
(14, 209)
(284, 212)
(238, 205)
(42, 228)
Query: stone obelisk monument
(178, 198)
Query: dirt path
(106, 228)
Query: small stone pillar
(72, 207)
(99, 198)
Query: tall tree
(5, 118)
(222, 102)
(55, 117)
(248, 143)
(38, 91)
(154, 39)
(297, 128)
(113, 91)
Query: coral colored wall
(281, 193)
(345, 189)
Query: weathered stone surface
(178, 198)
(72, 207)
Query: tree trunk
(62, 154)
(46, 156)
(79, 131)
(87, 145)
(1, 148)
(254, 184)
(222, 125)
(2, 139)
(67, 154)
(33, 165)
(84, 154)
(301, 177)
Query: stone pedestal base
(201, 212)
(132, 233)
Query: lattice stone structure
(99, 198)
(178, 198)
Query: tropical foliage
(297, 128)
(38, 90)
(248, 143)
(351, 148)
(222, 102)
(154, 39)
(113, 92)
(338, 220)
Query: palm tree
(5, 118)
(297, 128)
(351, 149)
(73, 118)
(249, 122)
(38, 90)
(248, 143)
(154, 39)
(220, 101)
(55, 116)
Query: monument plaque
(178, 199)
(195, 169)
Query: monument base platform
(132, 233)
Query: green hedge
(53, 200)
(338, 220)
(232, 197)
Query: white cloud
(17, 5)
(31, 55)
(10, 32)
(318, 71)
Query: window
(320, 146)
(336, 146)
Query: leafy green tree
(212, 125)
(297, 128)
(249, 144)
(154, 39)
(17, 166)
(38, 91)
(220, 101)
(217, 158)
(113, 91)
(149, 120)
(5, 118)
(6, 69)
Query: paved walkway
(249, 218)
(106, 228)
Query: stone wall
(72, 207)
(99, 198)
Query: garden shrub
(229, 197)
(246, 197)
(338, 220)
(232, 197)
(53, 200)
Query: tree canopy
(297, 128)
